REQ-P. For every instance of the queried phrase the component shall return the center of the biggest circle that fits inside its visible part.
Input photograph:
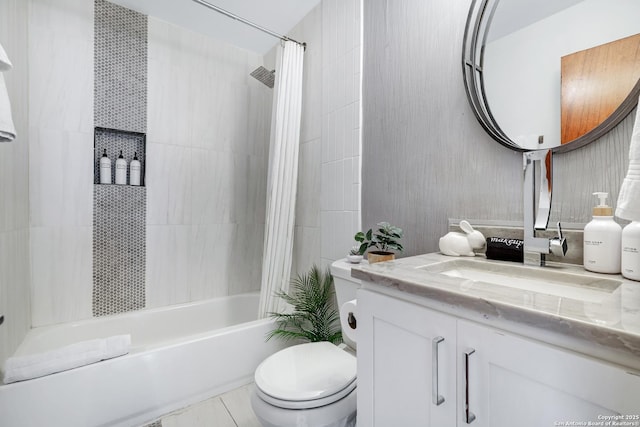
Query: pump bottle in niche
(134, 170)
(105, 168)
(121, 170)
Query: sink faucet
(536, 248)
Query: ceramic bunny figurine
(462, 244)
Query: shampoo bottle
(631, 251)
(602, 239)
(134, 171)
(121, 170)
(105, 168)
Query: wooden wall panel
(595, 83)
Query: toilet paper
(349, 310)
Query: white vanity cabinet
(487, 378)
(404, 352)
(512, 380)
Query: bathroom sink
(543, 280)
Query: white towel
(7, 130)
(5, 64)
(72, 356)
(628, 206)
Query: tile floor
(231, 409)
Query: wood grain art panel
(595, 83)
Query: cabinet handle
(437, 398)
(469, 416)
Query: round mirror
(551, 74)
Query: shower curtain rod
(244, 21)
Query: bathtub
(179, 355)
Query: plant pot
(354, 259)
(380, 256)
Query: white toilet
(312, 384)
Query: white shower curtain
(282, 177)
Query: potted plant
(355, 256)
(314, 316)
(385, 238)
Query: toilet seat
(306, 376)
(306, 404)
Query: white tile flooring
(231, 409)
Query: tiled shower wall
(61, 64)
(307, 234)
(207, 151)
(328, 203)
(14, 186)
(207, 148)
(340, 164)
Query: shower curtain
(282, 177)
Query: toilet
(311, 384)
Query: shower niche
(132, 144)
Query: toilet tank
(346, 286)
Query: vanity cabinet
(516, 381)
(487, 377)
(406, 359)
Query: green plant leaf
(314, 317)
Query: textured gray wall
(426, 158)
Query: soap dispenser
(121, 170)
(134, 170)
(631, 251)
(105, 168)
(602, 239)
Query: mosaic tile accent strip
(120, 76)
(119, 250)
(130, 143)
(120, 114)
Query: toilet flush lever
(351, 320)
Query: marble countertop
(595, 314)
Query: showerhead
(265, 76)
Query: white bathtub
(180, 355)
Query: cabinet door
(507, 380)
(400, 355)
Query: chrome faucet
(536, 248)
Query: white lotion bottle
(134, 170)
(105, 168)
(631, 251)
(121, 170)
(602, 239)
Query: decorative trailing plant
(314, 317)
(384, 239)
